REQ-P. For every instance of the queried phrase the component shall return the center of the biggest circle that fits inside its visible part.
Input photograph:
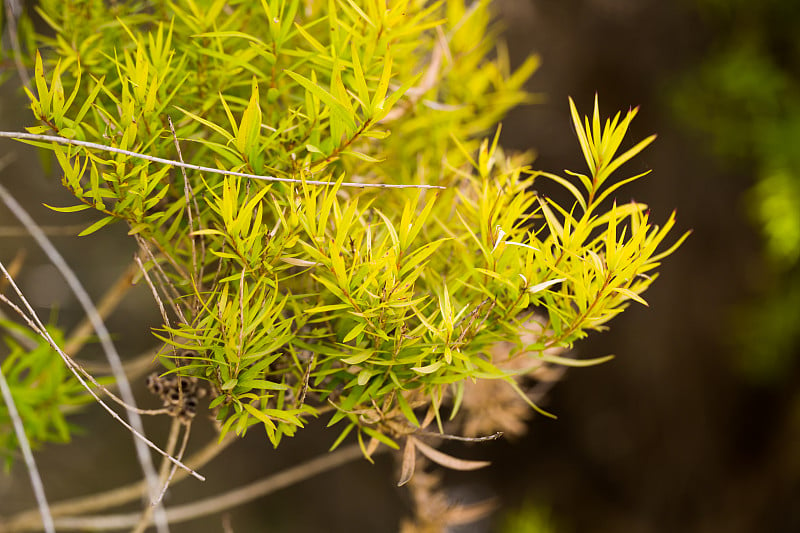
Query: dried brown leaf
(448, 461)
(409, 461)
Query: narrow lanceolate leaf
(336, 107)
(543, 285)
(582, 139)
(630, 294)
(380, 437)
(103, 222)
(355, 332)
(41, 84)
(268, 423)
(408, 463)
(383, 84)
(556, 229)
(251, 121)
(71, 209)
(428, 369)
(406, 409)
(448, 461)
(628, 155)
(567, 185)
(567, 361)
(362, 92)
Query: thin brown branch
(156, 297)
(162, 277)
(111, 299)
(38, 326)
(214, 504)
(31, 521)
(13, 11)
(163, 473)
(189, 196)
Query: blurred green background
(695, 426)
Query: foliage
(44, 392)
(291, 298)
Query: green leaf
(567, 185)
(630, 294)
(383, 84)
(105, 221)
(405, 408)
(343, 435)
(582, 139)
(544, 285)
(355, 332)
(338, 108)
(41, 84)
(230, 384)
(267, 421)
(428, 369)
(250, 126)
(326, 308)
(71, 209)
(380, 437)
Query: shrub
(293, 282)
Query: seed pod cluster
(179, 394)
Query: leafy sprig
(297, 299)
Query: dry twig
(95, 146)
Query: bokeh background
(693, 427)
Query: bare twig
(30, 520)
(14, 268)
(224, 501)
(156, 297)
(167, 287)
(35, 323)
(114, 360)
(166, 482)
(494, 436)
(189, 196)
(95, 146)
(113, 296)
(22, 439)
(13, 11)
(172, 442)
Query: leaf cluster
(44, 391)
(293, 298)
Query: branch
(35, 323)
(214, 504)
(95, 146)
(13, 11)
(113, 296)
(103, 335)
(29, 520)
